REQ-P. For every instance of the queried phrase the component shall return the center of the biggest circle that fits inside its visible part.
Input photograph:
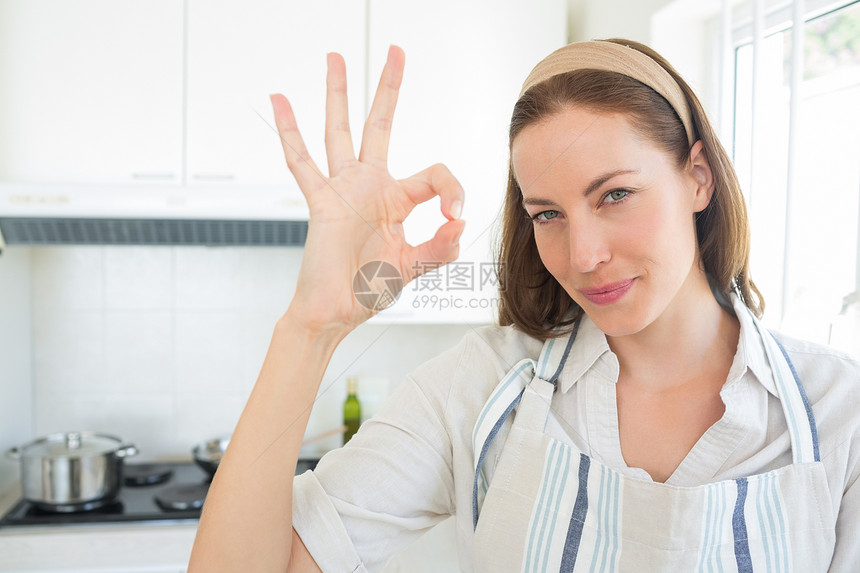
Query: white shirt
(410, 467)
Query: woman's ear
(699, 168)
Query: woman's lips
(609, 293)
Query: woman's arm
(356, 216)
(246, 522)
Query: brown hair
(530, 297)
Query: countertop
(115, 548)
(154, 547)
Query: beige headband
(612, 57)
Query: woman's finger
(377, 128)
(443, 248)
(338, 139)
(299, 161)
(436, 180)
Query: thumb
(443, 248)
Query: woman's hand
(357, 212)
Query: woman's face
(613, 217)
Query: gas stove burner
(156, 502)
(100, 507)
(182, 497)
(136, 475)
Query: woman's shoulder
(831, 380)
(473, 367)
(492, 349)
(825, 365)
(824, 372)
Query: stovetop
(178, 498)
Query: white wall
(601, 19)
(16, 420)
(682, 31)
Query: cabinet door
(465, 63)
(92, 91)
(238, 54)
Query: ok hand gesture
(357, 211)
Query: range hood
(40, 214)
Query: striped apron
(544, 506)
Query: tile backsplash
(16, 412)
(162, 345)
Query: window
(804, 202)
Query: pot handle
(13, 453)
(126, 450)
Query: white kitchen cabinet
(465, 63)
(92, 91)
(104, 91)
(239, 53)
(127, 548)
(163, 548)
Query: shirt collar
(751, 350)
(591, 351)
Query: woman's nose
(588, 248)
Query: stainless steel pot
(208, 454)
(72, 471)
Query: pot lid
(71, 444)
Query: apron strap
(554, 354)
(804, 444)
(506, 397)
(496, 410)
(795, 404)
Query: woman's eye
(545, 216)
(616, 195)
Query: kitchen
(160, 345)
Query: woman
(629, 413)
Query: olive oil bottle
(351, 409)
